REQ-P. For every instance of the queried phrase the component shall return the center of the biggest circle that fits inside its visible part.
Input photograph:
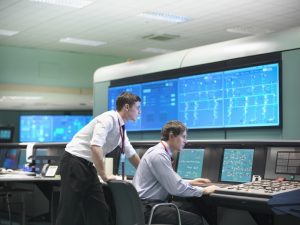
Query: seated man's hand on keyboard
(200, 181)
(210, 189)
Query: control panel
(263, 188)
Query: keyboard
(17, 172)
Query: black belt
(84, 161)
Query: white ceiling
(120, 25)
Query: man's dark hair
(175, 127)
(126, 98)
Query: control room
(139, 112)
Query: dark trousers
(168, 215)
(81, 193)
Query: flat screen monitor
(233, 98)
(51, 128)
(6, 134)
(11, 159)
(237, 165)
(129, 169)
(190, 163)
(157, 108)
(22, 159)
(245, 97)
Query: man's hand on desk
(210, 189)
(112, 177)
(109, 177)
(200, 181)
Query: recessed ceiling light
(156, 50)
(68, 3)
(165, 17)
(248, 30)
(77, 41)
(8, 32)
(20, 98)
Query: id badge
(122, 157)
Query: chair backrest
(128, 206)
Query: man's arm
(97, 155)
(135, 160)
(199, 181)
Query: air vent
(161, 37)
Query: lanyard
(122, 135)
(172, 159)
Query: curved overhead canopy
(273, 42)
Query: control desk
(235, 163)
(231, 162)
(263, 188)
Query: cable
(8, 208)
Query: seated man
(155, 179)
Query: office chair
(7, 192)
(129, 209)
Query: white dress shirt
(155, 178)
(103, 131)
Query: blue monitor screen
(129, 169)
(190, 163)
(244, 97)
(6, 134)
(156, 108)
(10, 160)
(237, 165)
(159, 103)
(22, 159)
(51, 128)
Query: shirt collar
(168, 148)
(120, 119)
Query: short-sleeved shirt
(103, 131)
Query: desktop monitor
(11, 159)
(128, 167)
(237, 165)
(41, 156)
(190, 163)
(6, 134)
(22, 159)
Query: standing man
(81, 190)
(155, 179)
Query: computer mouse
(9, 170)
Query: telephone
(49, 170)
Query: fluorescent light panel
(68, 3)
(8, 32)
(77, 41)
(155, 50)
(247, 30)
(20, 98)
(165, 17)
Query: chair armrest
(164, 204)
